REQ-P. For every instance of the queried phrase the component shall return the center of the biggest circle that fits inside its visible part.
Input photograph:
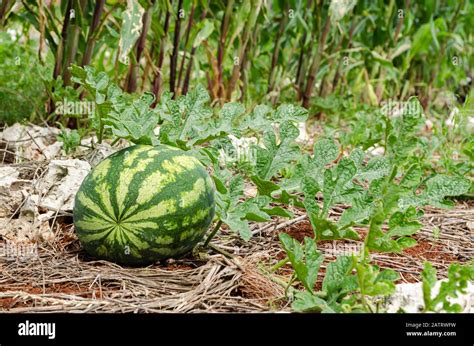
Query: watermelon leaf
(305, 260)
(277, 154)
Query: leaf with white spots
(130, 29)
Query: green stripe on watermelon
(143, 204)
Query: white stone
(409, 297)
(61, 183)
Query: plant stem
(62, 44)
(279, 264)
(4, 8)
(158, 75)
(186, 41)
(380, 85)
(41, 21)
(221, 251)
(441, 54)
(301, 60)
(221, 47)
(73, 41)
(99, 8)
(276, 51)
(337, 75)
(249, 27)
(174, 55)
(316, 63)
(213, 233)
(187, 77)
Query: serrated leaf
(357, 156)
(264, 187)
(387, 274)
(220, 186)
(328, 230)
(278, 211)
(310, 188)
(376, 168)
(305, 260)
(250, 210)
(403, 224)
(334, 183)
(239, 226)
(135, 122)
(429, 280)
(437, 189)
(258, 120)
(371, 283)
(236, 188)
(338, 280)
(289, 112)
(412, 177)
(277, 155)
(360, 211)
(325, 151)
(307, 302)
(442, 186)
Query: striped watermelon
(143, 204)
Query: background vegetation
(326, 55)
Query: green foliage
(305, 260)
(458, 279)
(125, 116)
(71, 139)
(134, 121)
(274, 156)
(347, 282)
(402, 137)
(21, 98)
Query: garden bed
(63, 279)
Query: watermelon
(143, 204)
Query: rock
(32, 142)
(29, 209)
(409, 298)
(377, 151)
(303, 136)
(51, 151)
(15, 229)
(10, 196)
(101, 151)
(8, 176)
(13, 133)
(61, 182)
(10, 202)
(18, 132)
(22, 229)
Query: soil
(64, 288)
(300, 231)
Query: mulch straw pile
(53, 274)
